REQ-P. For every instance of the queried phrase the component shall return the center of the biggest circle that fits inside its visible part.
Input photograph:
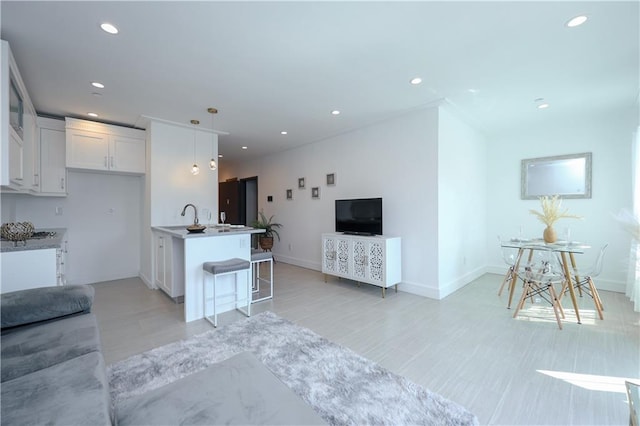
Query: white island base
(190, 251)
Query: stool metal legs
(246, 311)
(256, 278)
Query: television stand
(373, 260)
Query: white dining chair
(583, 280)
(540, 277)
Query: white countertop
(180, 231)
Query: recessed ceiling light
(220, 155)
(244, 147)
(96, 94)
(284, 132)
(335, 112)
(416, 80)
(92, 114)
(543, 105)
(97, 84)
(109, 28)
(578, 20)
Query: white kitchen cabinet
(102, 147)
(22, 270)
(374, 260)
(17, 128)
(166, 274)
(53, 170)
(61, 264)
(16, 161)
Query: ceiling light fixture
(220, 155)
(244, 147)
(194, 169)
(541, 103)
(92, 114)
(109, 28)
(284, 132)
(98, 85)
(335, 112)
(415, 81)
(212, 162)
(577, 21)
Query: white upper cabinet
(53, 170)
(104, 147)
(18, 130)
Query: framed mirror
(568, 176)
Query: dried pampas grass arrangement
(552, 211)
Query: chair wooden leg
(523, 298)
(596, 297)
(555, 304)
(507, 278)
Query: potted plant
(266, 239)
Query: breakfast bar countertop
(180, 231)
(35, 244)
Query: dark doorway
(239, 200)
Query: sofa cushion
(74, 392)
(34, 348)
(41, 304)
(239, 390)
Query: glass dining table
(564, 248)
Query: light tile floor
(466, 347)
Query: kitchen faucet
(195, 213)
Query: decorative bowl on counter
(196, 228)
(16, 231)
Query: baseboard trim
(146, 281)
(316, 266)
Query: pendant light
(194, 169)
(212, 162)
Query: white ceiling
(273, 66)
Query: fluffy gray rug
(343, 387)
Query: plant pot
(549, 235)
(266, 243)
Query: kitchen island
(178, 259)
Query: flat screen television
(361, 216)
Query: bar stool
(258, 257)
(225, 267)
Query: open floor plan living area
(320, 212)
(467, 347)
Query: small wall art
(315, 192)
(301, 183)
(331, 179)
(289, 194)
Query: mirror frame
(524, 178)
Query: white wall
(396, 160)
(170, 184)
(609, 139)
(102, 214)
(462, 203)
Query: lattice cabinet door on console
(374, 260)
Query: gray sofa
(53, 372)
(52, 367)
